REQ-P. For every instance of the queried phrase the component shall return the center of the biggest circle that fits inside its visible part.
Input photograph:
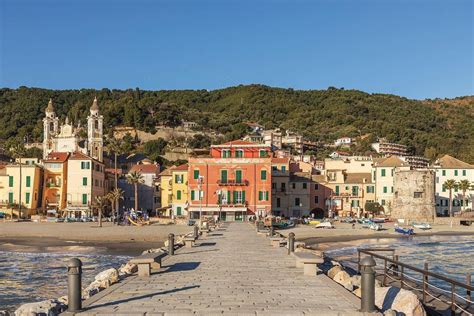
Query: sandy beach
(345, 233)
(84, 237)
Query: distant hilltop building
(386, 148)
(343, 141)
(64, 137)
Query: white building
(450, 168)
(343, 141)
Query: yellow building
(55, 181)
(31, 185)
(174, 190)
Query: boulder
(344, 279)
(127, 269)
(398, 300)
(107, 278)
(355, 279)
(48, 307)
(390, 312)
(335, 263)
(91, 290)
(63, 299)
(333, 271)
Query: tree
(114, 196)
(100, 202)
(450, 185)
(18, 151)
(200, 141)
(135, 178)
(154, 148)
(464, 185)
(373, 207)
(115, 147)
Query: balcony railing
(233, 203)
(232, 182)
(53, 185)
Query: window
(316, 186)
(297, 201)
(355, 191)
(274, 185)
(196, 174)
(27, 197)
(225, 153)
(263, 174)
(274, 168)
(239, 153)
(178, 195)
(84, 181)
(293, 185)
(392, 172)
(223, 176)
(391, 189)
(28, 181)
(178, 178)
(382, 172)
(455, 173)
(85, 164)
(278, 202)
(262, 153)
(193, 197)
(178, 211)
(316, 199)
(10, 197)
(385, 189)
(337, 190)
(443, 172)
(283, 169)
(305, 185)
(283, 187)
(464, 173)
(437, 179)
(10, 181)
(84, 198)
(238, 176)
(443, 189)
(383, 202)
(417, 195)
(370, 189)
(346, 187)
(239, 197)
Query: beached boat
(314, 222)
(404, 231)
(423, 226)
(284, 224)
(375, 226)
(378, 220)
(324, 225)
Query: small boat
(404, 231)
(324, 225)
(378, 220)
(423, 226)
(375, 226)
(313, 222)
(284, 224)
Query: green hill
(429, 127)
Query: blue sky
(414, 48)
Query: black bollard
(74, 286)
(171, 244)
(196, 232)
(291, 243)
(272, 231)
(367, 271)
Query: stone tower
(50, 128)
(95, 142)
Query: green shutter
(337, 190)
(243, 197)
(10, 197)
(28, 181)
(443, 172)
(464, 173)
(383, 173)
(283, 168)
(196, 174)
(84, 198)
(10, 181)
(235, 197)
(88, 164)
(455, 173)
(260, 195)
(219, 198)
(192, 195)
(384, 189)
(178, 210)
(84, 181)
(224, 176)
(266, 195)
(238, 176)
(27, 197)
(228, 197)
(263, 174)
(178, 194)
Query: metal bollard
(291, 243)
(196, 232)
(74, 286)
(272, 231)
(367, 271)
(171, 244)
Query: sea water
(30, 277)
(451, 256)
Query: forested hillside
(429, 127)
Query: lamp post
(200, 182)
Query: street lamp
(200, 182)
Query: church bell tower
(95, 140)
(50, 129)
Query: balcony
(53, 185)
(232, 182)
(233, 204)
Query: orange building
(234, 182)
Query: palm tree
(115, 146)
(114, 196)
(18, 151)
(135, 178)
(464, 185)
(450, 185)
(100, 202)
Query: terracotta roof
(56, 157)
(181, 167)
(152, 168)
(358, 177)
(113, 171)
(391, 161)
(167, 172)
(77, 155)
(280, 160)
(448, 161)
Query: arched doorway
(317, 213)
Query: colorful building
(146, 190)
(55, 181)
(234, 182)
(280, 186)
(179, 192)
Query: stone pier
(231, 271)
